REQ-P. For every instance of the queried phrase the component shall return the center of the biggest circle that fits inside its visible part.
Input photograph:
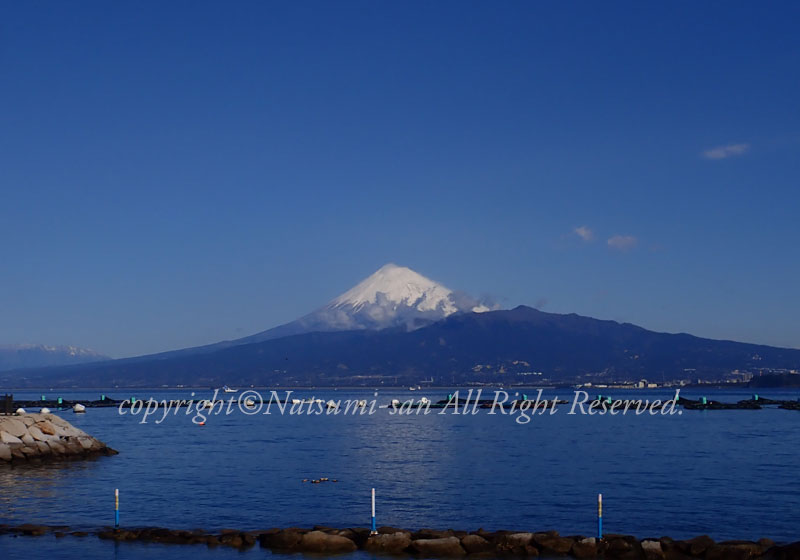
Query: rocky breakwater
(36, 437)
(430, 543)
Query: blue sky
(179, 173)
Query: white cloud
(584, 233)
(722, 152)
(622, 242)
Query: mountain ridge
(504, 346)
(391, 296)
(16, 356)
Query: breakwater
(454, 402)
(436, 543)
(32, 437)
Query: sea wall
(429, 543)
(33, 437)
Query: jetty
(36, 437)
(8, 404)
(432, 543)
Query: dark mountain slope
(492, 346)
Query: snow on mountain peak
(398, 286)
(392, 297)
(17, 356)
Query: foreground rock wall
(430, 543)
(27, 437)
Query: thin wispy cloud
(584, 233)
(622, 242)
(724, 152)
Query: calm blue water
(730, 474)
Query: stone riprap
(433, 543)
(35, 437)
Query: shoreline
(64, 405)
(431, 542)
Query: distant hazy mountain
(496, 346)
(18, 356)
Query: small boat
(226, 389)
(412, 388)
(332, 404)
(78, 408)
(250, 403)
(362, 403)
(297, 401)
(424, 401)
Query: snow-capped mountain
(17, 356)
(393, 296)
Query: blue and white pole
(116, 508)
(599, 516)
(374, 530)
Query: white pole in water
(374, 531)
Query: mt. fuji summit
(392, 297)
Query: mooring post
(374, 530)
(599, 516)
(116, 508)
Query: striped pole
(374, 531)
(599, 516)
(116, 508)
